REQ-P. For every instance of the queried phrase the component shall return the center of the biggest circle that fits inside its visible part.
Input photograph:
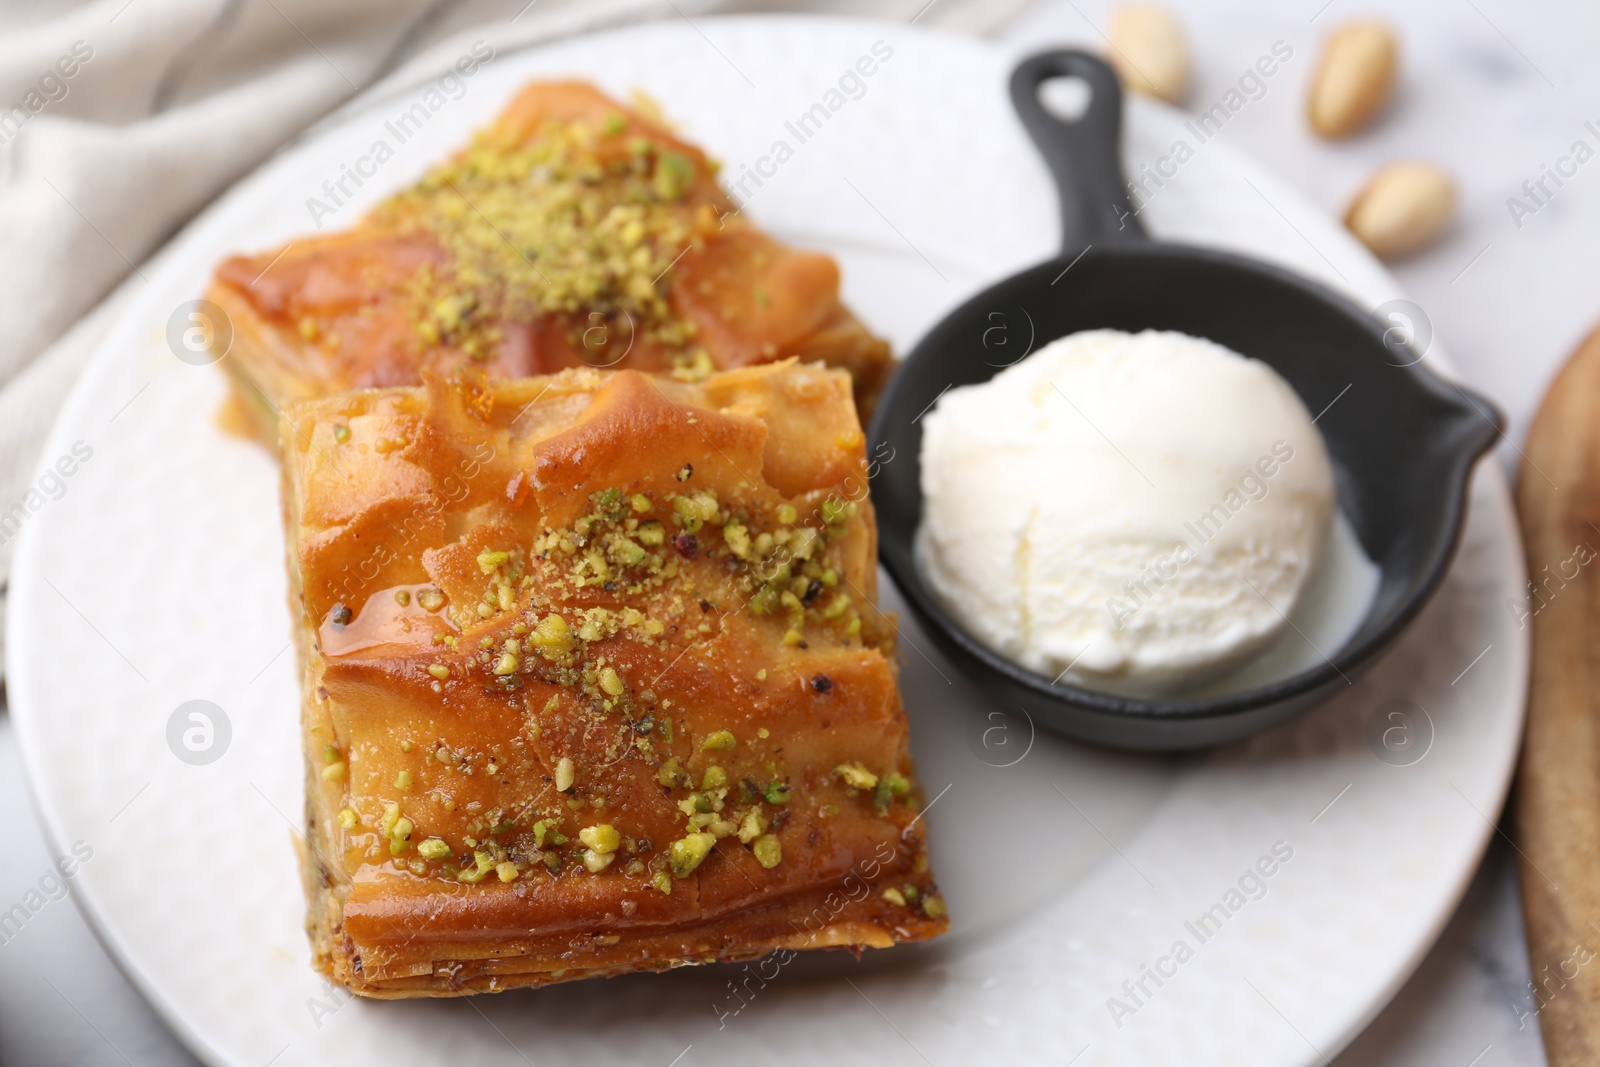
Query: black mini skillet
(1402, 441)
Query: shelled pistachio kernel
(402, 780)
(349, 819)
(688, 852)
(768, 850)
(507, 871)
(933, 907)
(895, 897)
(611, 681)
(439, 671)
(433, 849)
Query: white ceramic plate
(157, 579)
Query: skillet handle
(1082, 155)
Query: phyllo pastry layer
(572, 232)
(594, 680)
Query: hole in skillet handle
(1403, 459)
(1067, 97)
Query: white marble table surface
(1492, 89)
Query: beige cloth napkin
(121, 119)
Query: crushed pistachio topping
(933, 907)
(856, 776)
(349, 818)
(768, 850)
(566, 774)
(572, 220)
(891, 787)
(602, 838)
(630, 544)
(688, 852)
(719, 741)
(895, 897)
(433, 849)
(753, 826)
(482, 863)
(400, 835)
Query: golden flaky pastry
(593, 680)
(572, 232)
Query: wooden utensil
(1558, 790)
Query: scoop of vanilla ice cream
(1137, 512)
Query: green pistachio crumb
(688, 852)
(602, 838)
(856, 776)
(719, 741)
(768, 850)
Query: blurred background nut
(1354, 77)
(1404, 207)
(1148, 51)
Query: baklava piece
(572, 232)
(594, 680)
